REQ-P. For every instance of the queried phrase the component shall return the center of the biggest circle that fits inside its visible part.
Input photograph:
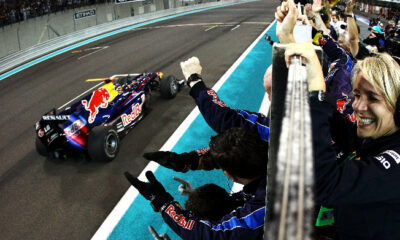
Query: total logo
(128, 118)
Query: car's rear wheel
(103, 144)
(41, 148)
(169, 87)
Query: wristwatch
(350, 15)
(193, 77)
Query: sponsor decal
(74, 129)
(55, 117)
(202, 151)
(47, 128)
(341, 103)
(179, 219)
(215, 98)
(40, 133)
(384, 162)
(321, 40)
(393, 154)
(351, 117)
(128, 118)
(98, 100)
(83, 14)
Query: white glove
(190, 66)
(185, 188)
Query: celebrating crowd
(21, 10)
(355, 111)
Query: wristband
(193, 77)
(350, 15)
(320, 95)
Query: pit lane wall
(29, 39)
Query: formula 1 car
(94, 124)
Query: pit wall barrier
(27, 40)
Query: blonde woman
(364, 189)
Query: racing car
(95, 124)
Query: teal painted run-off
(243, 90)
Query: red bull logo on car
(128, 118)
(99, 99)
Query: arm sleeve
(335, 53)
(220, 117)
(371, 179)
(338, 80)
(240, 224)
(202, 160)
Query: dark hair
(210, 202)
(240, 152)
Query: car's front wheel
(169, 87)
(103, 144)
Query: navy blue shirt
(245, 222)
(365, 190)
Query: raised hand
(286, 16)
(152, 190)
(185, 188)
(317, 6)
(177, 162)
(349, 6)
(190, 66)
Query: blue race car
(94, 124)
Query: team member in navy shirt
(364, 189)
(241, 155)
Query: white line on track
(237, 26)
(119, 210)
(228, 24)
(98, 50)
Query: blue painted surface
(41, 59)
(243, 90)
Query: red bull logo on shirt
(215, 98)
(98, 100)
(341, 105)
(179, 218)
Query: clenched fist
(190, 66)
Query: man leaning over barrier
(241, 155)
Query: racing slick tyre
(41, 148)
(103, 144)
(169, 87)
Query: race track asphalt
(43, 198)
